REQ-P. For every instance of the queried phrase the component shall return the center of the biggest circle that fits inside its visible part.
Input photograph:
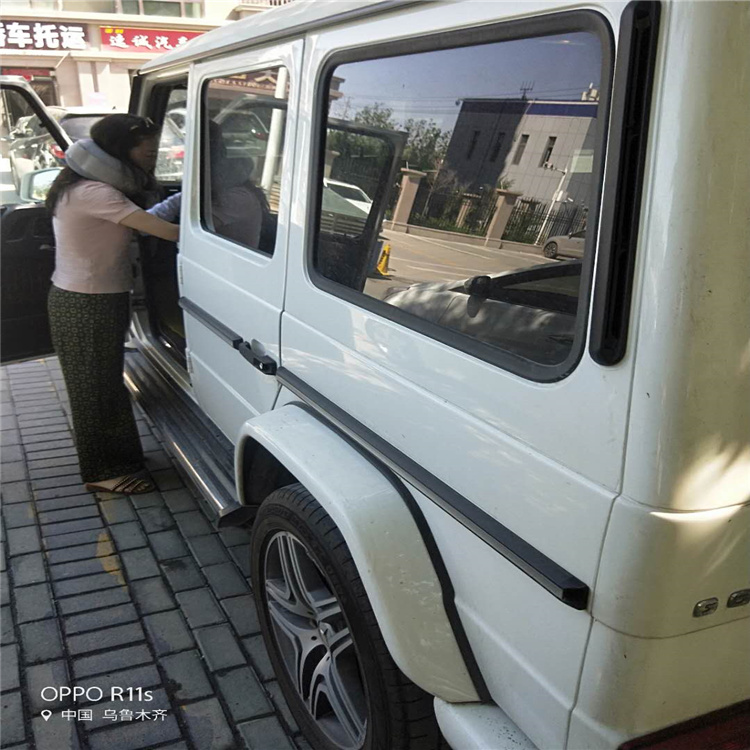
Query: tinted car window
(243, 129)
(171, 157)
(79, 127)
(434, 139)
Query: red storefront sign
(144, 40)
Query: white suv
(490, 494)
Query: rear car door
(27, 250)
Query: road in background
(418, 259)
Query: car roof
(338, 182)
(288, 20)
(19, 81)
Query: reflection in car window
(348, 192)
(79, 127)
(468, 175)
(243, 128)
(171, 156)
(26, 148)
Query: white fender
(384, 541)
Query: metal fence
(453, 210)
(364, 172)
(527, 219)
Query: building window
(547, 154)
(497, 146)
(169, 8)
(520, 149)
(472, 144)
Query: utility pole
(555, 198)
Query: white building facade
(541, 149)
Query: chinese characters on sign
(144, 40)
(42, 35)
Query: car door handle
(46, 247)
(254, 352)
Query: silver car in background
(570, 245)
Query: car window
(487, 169)
(171, 156)
(243, 127)
(79, 126)
(177, 116)
(30, 158)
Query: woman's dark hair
(117, 135)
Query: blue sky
(428, 85)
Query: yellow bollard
(385, 256)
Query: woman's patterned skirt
(88, 333)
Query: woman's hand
(143, 221)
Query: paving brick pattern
(109, 591)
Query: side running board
(199, 446)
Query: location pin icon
(46, 714)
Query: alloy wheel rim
(314, 641)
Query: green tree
(426, 144)
(377, 116)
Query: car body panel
(383, 539)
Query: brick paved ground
(105, 590)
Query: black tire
(397, 715)
(550, 250)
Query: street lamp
(555, 197)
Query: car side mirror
(478, 286)
(36, 185)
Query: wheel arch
(368, 505)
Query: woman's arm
(143, 221)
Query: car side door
(27, 247)
(233, 238)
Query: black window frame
(499, 141)
(553, 24)
(523, 141)
(548, 149)
(151, 98)
(473, 144)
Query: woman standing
(95, 203)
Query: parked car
(571, 245)
(505, 511)
(351, 193)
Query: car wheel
(550, 250)
(340, 682)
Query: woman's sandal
(127, 485)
